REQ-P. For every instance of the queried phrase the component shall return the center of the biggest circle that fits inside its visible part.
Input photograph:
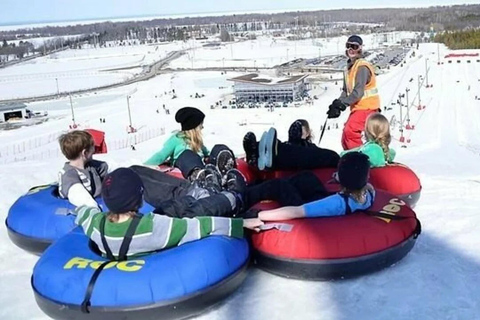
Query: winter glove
(335, 109)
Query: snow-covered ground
(72, 70)
(437, 280)
(266, 52)
(78, 69)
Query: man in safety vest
(359, 92)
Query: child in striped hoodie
(122, 191)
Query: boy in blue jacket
(356, 194)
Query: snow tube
(339, 247)
(40, 217)
(396, 178)
(171, 284)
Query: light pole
(287, 54)
(129, 115)
(58, 89)
(426, 74)
(438, 53)
(73, 114)
(296, 37)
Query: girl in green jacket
(377, 132)
(189, 138)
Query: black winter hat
(189, 118)
(122, 191)
(353, 170)
(355, 39)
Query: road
(152, 71)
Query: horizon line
(9, 25)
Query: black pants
(294, 191)
(159, 186)
(295, 157)
(169, 196)
(188, 207)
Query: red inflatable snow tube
(339, 247)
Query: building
(255, 88)
(12, 111)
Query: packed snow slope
(437, 280)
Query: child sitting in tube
(377, 132)
(122, 191)
(80, 180)
(356, 194)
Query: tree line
(466, 39)
(439, 18)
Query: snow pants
(295, 157)
(355, 125)
(301, 188)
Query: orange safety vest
(370, 99)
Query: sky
(30, 11)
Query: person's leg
(355, 125)
(277, 155)
(250, 145)
(223, 158)
(188, 207)
(159, 186)
(188, 162)
(308, 186)
(279, 190)
(292, 157)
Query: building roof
(12, 106)
(266, 80)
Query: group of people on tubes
(214, 198)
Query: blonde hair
(193, 138)
(377, 129)
(360, 196)
(114, 217)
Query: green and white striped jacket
(154, 232)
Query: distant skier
(359, 92)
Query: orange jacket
(370, 99)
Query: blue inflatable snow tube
(171, 284)
(40, 217)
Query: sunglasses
(354, 46)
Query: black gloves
(335, 109)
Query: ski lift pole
(402, 138)
(408, 126)
(426, 74)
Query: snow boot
(187, 162)
(266, 149)
(237, 185)
(212, 180)
(223, 158)
(250, 145)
